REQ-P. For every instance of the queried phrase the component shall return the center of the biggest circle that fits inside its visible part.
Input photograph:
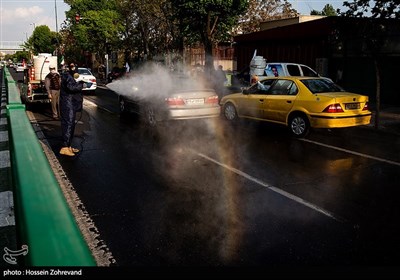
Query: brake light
(366, 107)
(333, 108)
(212, 99)
(92, 80)
(173, 101)
(32, 76)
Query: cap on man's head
(52, 67)
(71, 66)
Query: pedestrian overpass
(11, 46)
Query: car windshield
(321, 85)
(84, 71)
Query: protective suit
(71, 100)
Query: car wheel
(299, 125)
(122, 106)
(230, 112)
(149, 115)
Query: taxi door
(253, 101)
(280, 100)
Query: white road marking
(5, 159)
(6, 209)
(352, 152)
(274, 189)
(3, 136)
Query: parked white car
(19, 67)
(90, 80)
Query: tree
(42, 40)
(99, 27)
(148, 26)
(21, 55)
(263, 10)
(380, 8)
(374, 34)
(328, 11)
(208, 21)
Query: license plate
(352, 106)
(195, 101)
(88, 85)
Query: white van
(288, 69)
(260, 68)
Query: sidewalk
(389, 120)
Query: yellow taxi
(300, 103)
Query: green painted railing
(43, 218)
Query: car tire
(299, 125)
(149, 115)
(123, 109)
(230, 113)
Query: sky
(18, 18)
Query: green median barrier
(44, 220)
(14, 96)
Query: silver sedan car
(184, 100)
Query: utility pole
(55, 8)
(55, 11)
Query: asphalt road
(206, 194)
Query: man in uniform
(71, 100)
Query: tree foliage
(378, 9)
(207, 21)
(328, 11)
(263, 10)
(374, 34)
(18, 56)
(42, 40)
(99, 27)
(146, 28)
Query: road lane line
(274, 189)
(351, 152)
(6, 209)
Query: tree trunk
(209, 60)
(378, 93)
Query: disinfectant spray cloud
(154, 81)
